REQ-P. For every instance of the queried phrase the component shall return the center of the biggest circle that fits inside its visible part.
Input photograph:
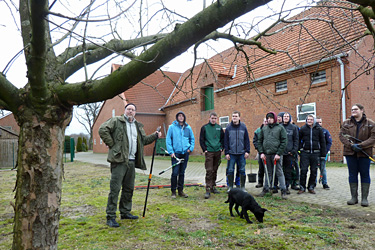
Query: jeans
(323, 171)
(308, 159)
(178, 172)
(241, 163)
(359, 165)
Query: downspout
(343, 102)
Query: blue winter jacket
(236, 139)
(180, 138)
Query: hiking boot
(263, 193)
(215, 191)
(354, 193)
(129, 216)
(182, 194)
(287, 191)
(173, 194)
(312, 191)
(259, 185)
(112, 223)
(325, 186)
(301, 191)
(283, 194)
(207, 195)
(295, 187)
(275, 191)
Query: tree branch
(38, 49)
(174, 44)
(8, 94)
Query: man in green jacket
(125, 138)
(211, 140)
(271, 145)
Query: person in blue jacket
(237, 149)
(180, 143)
(323, 160)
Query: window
(317, 77)
(101, 141)
(94, 141)
(209, 98)
(113, 113)
(224, 121)
(305, 110)
(281, 86)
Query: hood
(273, 114)
(314, 122)
(180, 112)
(290, 118)
(282, 116)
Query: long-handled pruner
(267, 176)
(274, 173)
(349, 137)
(150, 175)
(178, 162)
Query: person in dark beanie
(180, 143)
(358, 136)
(237, 149)
(271, 145)
(211, 140)
(290, 149)
(260, 161)
(312, 146)
(125, 138)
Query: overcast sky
(11, 43)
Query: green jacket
(272, 139)
(113, 134)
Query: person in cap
(271, 145)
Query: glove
(356, 148)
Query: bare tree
(57, 45)
(86, 115)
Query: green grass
(192, 223)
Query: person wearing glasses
(125, 137)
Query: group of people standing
(278, 142)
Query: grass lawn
(192, 223)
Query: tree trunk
(39, 177)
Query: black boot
(354, 193)
(230, 181)
(242, 181)
(365, 187)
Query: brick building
(8, 122)
(148, 95)
(312, 65)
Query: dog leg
(244, 212)
(236, 207)
(230, 208)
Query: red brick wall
(9, 121)
(255, 102)
(150, 122)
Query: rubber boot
(365, 187)
(243, 181)
(354, 192)
(230, 182)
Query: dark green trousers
(122, 177)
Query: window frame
(282, 83)
(305, 113)
(317, 77)
(221, 123)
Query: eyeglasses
(354, 109)
(130, 109)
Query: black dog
(247, 202)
